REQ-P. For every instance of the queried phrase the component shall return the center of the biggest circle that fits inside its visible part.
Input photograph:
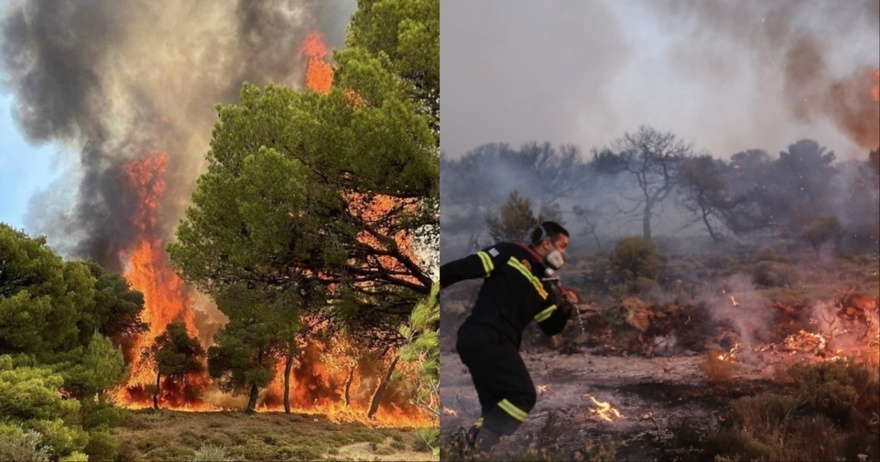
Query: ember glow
(604, 410)
(319, 74)
(875, 87)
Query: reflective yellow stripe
(528, 274)
(545, 314)
(514, 411)
(487, 262)
(479, 422)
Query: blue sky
(24, 168)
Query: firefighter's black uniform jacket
(512, 295)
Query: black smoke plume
(116, 81)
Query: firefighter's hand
(570, 297)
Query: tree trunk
(288, 365)
(156, 391)
(646, 222)
(348, 382)
(715, 237)
(252, 400)
(377, 397)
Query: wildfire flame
(166, 298)
(377, 212)
(729, 355)
(733, 301)
(448, 411)
(604, 410)
(319, 74)
(328, 379)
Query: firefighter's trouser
(503, 384)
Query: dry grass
(174, 435)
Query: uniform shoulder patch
(525, 262)
(494, 252)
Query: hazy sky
(727, 76)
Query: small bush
(835, 404)
(428, 440)
(635, 257)
(75, 456)
(17, 443)
(102, 446)
(773, 274)
(716, 369)
(209, 453)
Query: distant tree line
(648, 176)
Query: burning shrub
(716, 368)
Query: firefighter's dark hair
(547, 229)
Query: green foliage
(422, 345)
(833, 404)
(101, 446)
(40, 296)
(100, 413)
(635, 257)
(93, 369)
(17, 443)
(116, 310)
(76, 456)
(29, 395)
(515, 220)
(843, 391)
(176, 353)
(408, 33)
(211, 453)
(49, 308)
(290, 176)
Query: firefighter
(514, 292)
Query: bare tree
(653, 159)
(702, 185)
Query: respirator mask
(554, 259)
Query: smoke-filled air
(717, 165)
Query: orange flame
(166, 298)
(327, 378)
(604, 410)
(319, 74)
(377, 212)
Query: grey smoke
(121, 80)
